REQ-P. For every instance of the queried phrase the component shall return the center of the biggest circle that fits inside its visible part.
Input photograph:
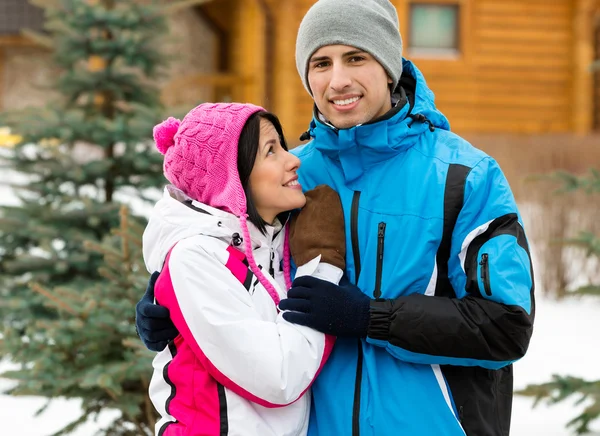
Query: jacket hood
(362, 146)
(176, 216)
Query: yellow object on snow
(7, 139)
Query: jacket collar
(363, 146)
(176, 217)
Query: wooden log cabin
(511, 66)
(496, 66)
(16, 73)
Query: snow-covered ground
(565, 341)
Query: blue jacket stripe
(412, 357)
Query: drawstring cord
(421, 119)
(305, 136)
(252, 263)
(415, 117)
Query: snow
(565, 341)
(17, 414)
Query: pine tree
(80, 154)
(82, 150)
(95, 354)
(563, 387)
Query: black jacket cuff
(380, 319)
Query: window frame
(430, 51)
(456, 58)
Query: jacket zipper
(359, 361)
(357, 389)
(485, 274)
(376, 293)
(271, 258)
(354, 235)
(272, 253)
(379, 269)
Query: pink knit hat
(201, 159)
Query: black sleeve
(471, 331)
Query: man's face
(349, 86)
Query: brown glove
(319, 229)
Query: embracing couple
(375, 281)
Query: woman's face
(273, 180)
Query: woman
(217, 238)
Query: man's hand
(336, 310)
(152, 321)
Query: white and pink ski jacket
(237, 367)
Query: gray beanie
(369, 25)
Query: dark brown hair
(247, 151)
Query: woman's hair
(247, 151)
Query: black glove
(336, 310)
(152, 322)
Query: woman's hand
(318, 229)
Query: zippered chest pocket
(480, 266)
(379, 262)
(484, 274)
(499, 269)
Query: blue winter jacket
(434, 236)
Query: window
(433, 29)
(18, 14)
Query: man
(442, 295)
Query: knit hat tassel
(286, 259)
(253, 267)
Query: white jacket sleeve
(269, 362)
